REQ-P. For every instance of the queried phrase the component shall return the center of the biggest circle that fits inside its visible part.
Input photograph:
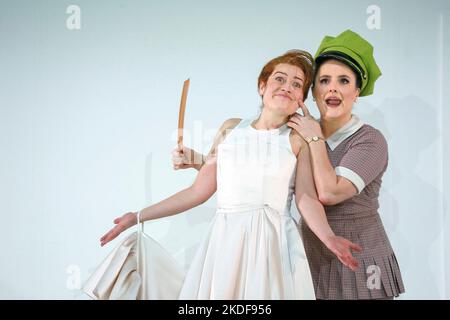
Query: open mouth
(333, 102)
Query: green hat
(350, 48)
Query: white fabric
(352, 176)
(253, 249)
(353, 125)
(125, 275)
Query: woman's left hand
(305, 125)
(342, 248)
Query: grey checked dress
(358, 152)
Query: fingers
(349, 261)
(108, 237)
(296, 118)
(121, 224)
(304, 109)
(177, 157)
(176, 152)
(355, 247)
(291, 124)
(184, 150)
(352, 245)
(111, 235)
(105, 239)
(344, 253)
(181, 158)
(177, 160)
(353, 263)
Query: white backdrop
(89, 96)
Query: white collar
(353, 125)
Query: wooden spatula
(181, 114)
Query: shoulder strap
(243, 123)
(285, 137)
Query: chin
(284, 110)
(332, 115)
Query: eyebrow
(287, 75)
(340, 76)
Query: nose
(286, 87)
(332, 87)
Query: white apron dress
(253, 249)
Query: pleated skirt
(378, 275)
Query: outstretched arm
(202, 189)
(313, 211)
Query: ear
(262, 87)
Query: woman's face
(283, 90)
(335, 90)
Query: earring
(314, 99)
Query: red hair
(297, 58)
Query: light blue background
(88, 117)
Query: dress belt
(246, 208)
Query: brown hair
(297, 58)
(320, 62)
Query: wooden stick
(181, 113)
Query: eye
(344, 81)
(297, 85)
(324, 81)
(280, 79)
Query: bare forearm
(307, 200)
(314, 214)
(179, 202)
(324, 174)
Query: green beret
(350, 48)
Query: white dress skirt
(253, 248)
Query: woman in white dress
(253, 249)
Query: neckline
(353, 125)
(276, 130)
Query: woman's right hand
(122, 223)
(186, 158)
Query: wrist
(137, 216)
(315, 138)
(328, 239)
(200, 164)
(197, 166)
